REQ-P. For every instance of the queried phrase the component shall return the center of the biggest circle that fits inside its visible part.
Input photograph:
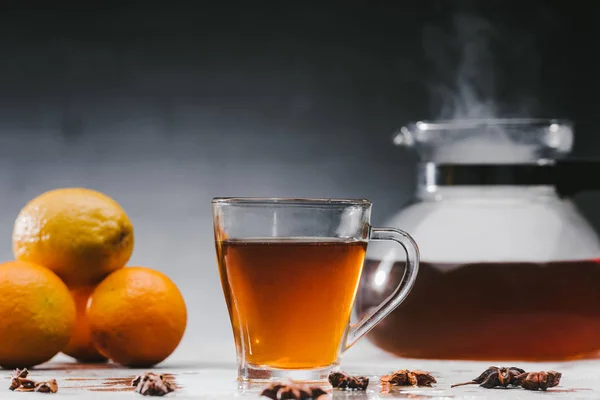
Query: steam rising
(470, 92)
(484, 68)
(491, 224)
(475, 61)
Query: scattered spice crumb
(341, 380)
(294, 391)
(405, 377)
(151, 384)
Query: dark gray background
(165, 106)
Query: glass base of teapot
(489, 311)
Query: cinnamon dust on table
(114, 384)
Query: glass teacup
(290, 270)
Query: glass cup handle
(369, 321)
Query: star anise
(538, 380)
(20, 373)
(19, 381)
(496, 377)
(291, 390)
(47, 386)
(17, 376)
(405, 377)
(151, 384)
(341, 380)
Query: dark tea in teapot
(502, 311)
(510, 270)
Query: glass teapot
(510, 270)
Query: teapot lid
(499, 151)
(497, 141)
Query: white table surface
(209, 375)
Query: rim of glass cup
(291, 200)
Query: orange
(81, 234)
(37, 314)
(80, 346)
(137, 316)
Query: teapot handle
(407, 282)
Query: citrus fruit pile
(69, 288)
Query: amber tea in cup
(298, 304)
(290, 270)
